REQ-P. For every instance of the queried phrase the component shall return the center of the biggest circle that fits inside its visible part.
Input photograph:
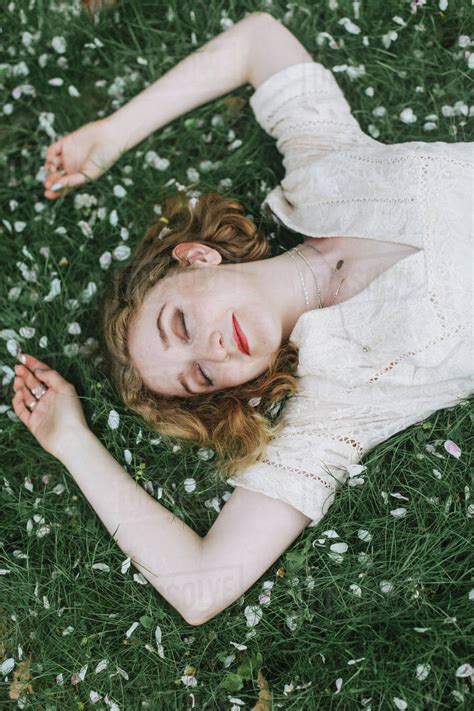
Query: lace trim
(391, 365)
(296, 470)
(395, 362)
(303, 94)
(400, 159)
(349, 200)
(318, 92)
(355, 444)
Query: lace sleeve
(303, 107)
(301, 469)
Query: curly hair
(234, 422)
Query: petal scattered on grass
(452, 448)
(113, 420)
(398, 513)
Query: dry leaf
(93, 6)
(235, 104)
(21, 678)
(264, 702)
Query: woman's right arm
(249, 51)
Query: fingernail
(56, 187)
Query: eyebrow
(166, 345)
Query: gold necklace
(339, 265)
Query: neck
(279, 283)
(316, 264)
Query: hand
(80, 156)
(47, 404)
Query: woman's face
(171, 356)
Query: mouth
(239, 337)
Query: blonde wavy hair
(235, 421)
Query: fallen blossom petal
(101, 666)
(422, 671)
(138, 578)
(131, 629)
(253, 615)
(452, 448)
(54, 290)
(464, 670)
(398, 513)
(113, 420)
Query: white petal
(138, 578)
(238, 646)
(253, 615)
(398, 513)
(101, 666)
(131, 629)
(364, 535)
(355, 469)
(101, 566)
(74, 329)
(54, 290)
(452, 448)
(331, 533)
(88, 292)
(400, 703)
(119, 191)
(7, 666)
(121, 252)
(189, 485)
(464, 670)
(105, 260)
(339, 547)
(422, 671)
(113, 420)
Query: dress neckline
(405, 280)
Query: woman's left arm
(163, 548)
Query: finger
(20, 408)
(31, 362)
(25, 392)
(54, 150)
(53, 163)
(45, 374)
(61, 183)
(36, 388)
(53, 177)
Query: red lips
(240, 337)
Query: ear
(196, 254)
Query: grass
(413, 603)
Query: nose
(215, 349)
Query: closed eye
(183, 323)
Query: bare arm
(198, 576)
(248, 52)
(216, 68)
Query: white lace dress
(402, 348)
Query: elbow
(195, 620)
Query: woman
(371, 308)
